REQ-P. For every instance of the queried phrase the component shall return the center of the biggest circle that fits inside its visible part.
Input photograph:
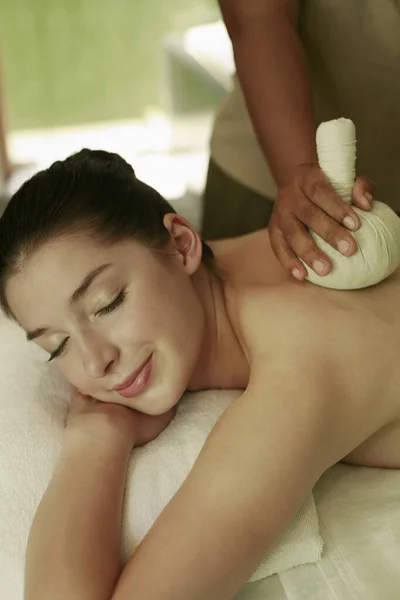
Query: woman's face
(116, 316)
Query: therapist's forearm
(74, 545)
(272, 70)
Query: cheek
(73, 372)
(174, 308)
(181, 316)
(134, 325)
(163, 306)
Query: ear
(185, 240)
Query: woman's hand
(74, 548)
(310, 202)
(99, 419)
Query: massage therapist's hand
(100, 420)
(310, 202)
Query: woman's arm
(74, 544)
(256, 469)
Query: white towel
(359, 510)
(34, 400)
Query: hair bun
(99, 160)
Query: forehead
(55, 270)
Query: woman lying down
(134, 309)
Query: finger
(327, 228)
(285, 254)
(363, 193)
(315, 186)
(303, 245)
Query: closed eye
(103, 311)
(59, 350)
(113, 305)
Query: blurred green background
(68, 62)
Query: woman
(131, 305)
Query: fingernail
(318, 266)
(343, 246)
(296, 273)
(349, 222)
(366, 200)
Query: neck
(221, 362)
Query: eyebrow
(31, 335)
(77, 295)
(87, 282)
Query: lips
(137, 381)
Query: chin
(157, 406)
(158, 399)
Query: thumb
(363, 192)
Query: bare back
(359, 331)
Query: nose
(99, 356)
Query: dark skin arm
(271, 66)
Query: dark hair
(92, 191)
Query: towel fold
(34, 400)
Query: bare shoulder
(338, 354)
(349, 328)
(280, 316)
(249, 260)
